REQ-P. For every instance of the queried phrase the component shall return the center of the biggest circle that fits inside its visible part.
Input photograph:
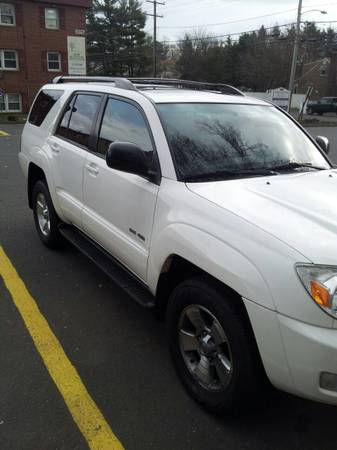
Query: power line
(242, 32)
(230, 22)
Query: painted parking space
(4, 133)
(82, 408)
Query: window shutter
(42, 17)
(18, 14)
(62, 17)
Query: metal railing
(152, 83)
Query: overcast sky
(212, 16)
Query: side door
(69, 146)
(334, 105)
(119, 207)
(324, 105)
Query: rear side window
(43, 104)
(76, 123)
(123, 122)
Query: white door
(69, 148)
(119, 207)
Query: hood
(299, 209)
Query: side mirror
(127, 157)
(324, 143)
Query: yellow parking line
(4, 133)
(83, 409)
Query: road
(119, 351)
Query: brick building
(38, 40)
(321, 75)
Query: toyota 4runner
(216, 209)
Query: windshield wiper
(226, 174)
(296, 165)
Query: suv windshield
(221, 141)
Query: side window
(123, 122)
(62, 129)
(82, 112)
(43, 104)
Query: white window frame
(59, 61)
(48, 27)
(7, 110)
(12, 7)
(2, 60)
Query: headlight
(321, 284)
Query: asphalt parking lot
(119, 352)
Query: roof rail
(197, 85)
(122, 83)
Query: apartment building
(38, 41)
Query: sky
(213, 16)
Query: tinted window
(82, 112)
(208, 139)
(43, 104)
(123, 122)
(62, 129)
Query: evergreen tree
(116, 37)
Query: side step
(121, 276)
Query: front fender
(213, 256)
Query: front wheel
(212, 346)
(309, 111)
(45, 216)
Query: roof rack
(196, 85)
(151, 83)
(122, 83)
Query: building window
(53, 62)
(9, 60)
(52, 20)
(10, 103)
(7, 14)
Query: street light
(295, 52)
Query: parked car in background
(324, 105)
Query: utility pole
(155, 16)
(295, 54)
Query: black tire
(246, 377)
(50, 236)
(309, 111)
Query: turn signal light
(320, 294)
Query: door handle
(92, 168)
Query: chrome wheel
(205, 348)
(42, 213)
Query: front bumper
(310, 351)
(294, 353)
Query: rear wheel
(45, 217)
(212, 346)
(309, 111)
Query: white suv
(214, 208)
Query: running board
(119, 275)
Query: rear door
(69, 147)
(119, 207)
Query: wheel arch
(175, 270)
(35, 173)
